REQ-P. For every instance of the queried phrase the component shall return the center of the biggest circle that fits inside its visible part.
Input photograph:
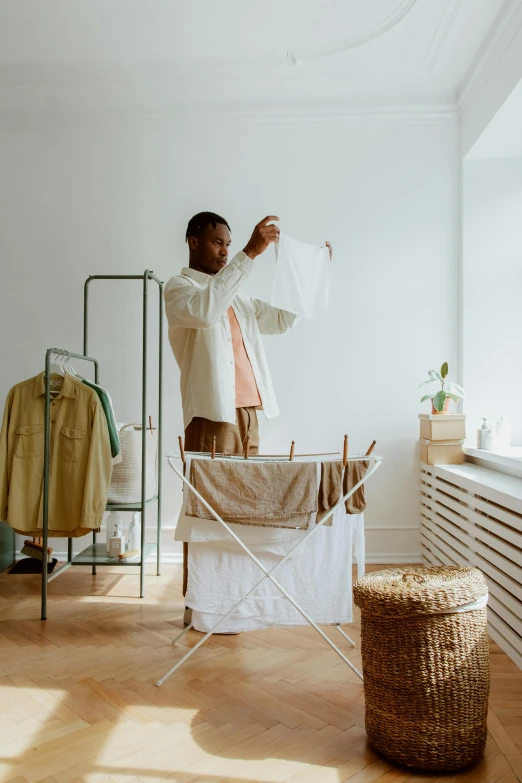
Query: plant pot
(446, 408)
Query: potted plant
(441, 398)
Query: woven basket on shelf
(125, 484)
(426, 670)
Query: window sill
(508, 462)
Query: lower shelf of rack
(96, 554)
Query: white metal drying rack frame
(269, 574)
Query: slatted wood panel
(78, 700)
(468, 517)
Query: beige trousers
(230, 438)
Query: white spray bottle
(134, 532)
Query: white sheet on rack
(359, 545)
(320, 580)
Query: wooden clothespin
(150, 423)
(292, 450)
(214, 447)
(345, 451)
(247, 446)
(371, 448)
(182, 450)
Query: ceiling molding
(265, 114)
(87, 86)
(404, 8)
(500, 36)
(331, 115)
(441, 35)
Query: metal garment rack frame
(266, 574)
(96, 555)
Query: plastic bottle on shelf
(490, 444)
(117, 543)
(503, 434)
(134, 532)
(114, 527)
(484, 436)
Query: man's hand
(330, 249)
(262, 236)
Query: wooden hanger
(292, 451)
(214, 447)
(345, 451)
(247, 446)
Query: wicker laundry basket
(125, 484)
(426, 668)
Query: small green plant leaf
(444, 370)
(456, 389)
(428, 397)
(434, 375)
(454, 397)
(440, 400)
(425, 383)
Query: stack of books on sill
(441, 438)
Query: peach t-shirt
(247, 394)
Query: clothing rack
(369, 458)
(97, 552)
(96, 555)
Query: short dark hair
(199, 222)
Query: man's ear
(192, 243)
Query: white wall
(115, 197)
(492, 272)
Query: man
(215, 333)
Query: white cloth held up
(302, 279)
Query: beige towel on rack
(265, 494)
(329, 489)
(353, 473)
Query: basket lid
(399, 592)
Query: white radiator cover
(473, 516)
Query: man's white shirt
(196, 305)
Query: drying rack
(313, 528)
(96, 554)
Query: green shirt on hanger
(111, 424)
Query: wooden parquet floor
(78, 700)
